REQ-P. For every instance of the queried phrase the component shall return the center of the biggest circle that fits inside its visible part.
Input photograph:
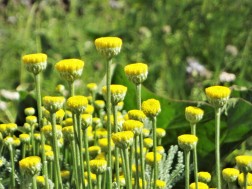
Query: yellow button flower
(137, 115)
(53, 103)
(151, 107)
(108, 46)
(30, 165)
(25, 138)
(40, 181)
(193, 114)
(103, 143)
(77, 104)
(118, 93)
(204, 177)
(134, 126)
(244, 163)
(218, 95)
(29, 111)
(241, 179)
(230, 174)
(35, 63)
(187, 141)
(70, 69)
(92, 87)
(160, 184)
(201, 185)
(123, 139)
(98, 166)
(160, 132)
(68, 133)
(137, 73)
(149, 157)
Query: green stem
(142, 161)
(127, 169)
(44, 166)
(217, 145)
(136, 162)
(38, 95)
(154, 150)
(187, 169)
(195, 158)
(23, 150)
(245, 174)
(32, 140)
(34, 182)
(75, 165)
(80, 133)
(71, 88)
(99, 181)
(108, 106)
(57, 179)
(12, 180)
(87, 158)
(138, 96)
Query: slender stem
(187, 169)
(87, 158)
(12, 180)
(136, 162)
(34, 182)
(38, 95)
(71, 88)
(58, 181)
(75, 165)
(127, 169)
(195, 158)
(217, 145)
(32, 140)
(142, 161)
(138, 96)
(154, 150)
(80, 133)
(245, 174)
(108, 106)
(98, 177)
(23, 150)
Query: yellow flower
(160, 149)
(241, 179)
(35, 63)
(187, 141)
(60, 115)
(146, 132)
(123, 139)
(92, 87)
(193, 114)
(94, 150)
(89, 109)
(68, 133)
(8, 140)
(2, 128)
(68, 122)
(134, 126)
(53, 103)
(160, 184)
(40, 180)
(201, 185)
(11, 127)
(137, 73)
(47, 148)
(151, 107)
(136, 115)
(37, 136)
(30, 165)
(218, 95)
(230, 174)
(65, 174)
(29, 111)
(120, 105)
(49, 155)
(118, 93)
(98, 166)
(103, 143)
(108, 46)
(204, 177)
(77, 104)
(101, 133)
(47, 130)
(148, 142)
(244, 163)
(149, 157)
(70, 69)
(25, 138)
(93, 177)
(160, 132)
(16, 142)
(31, 120)
(99, 104)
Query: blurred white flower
(227, 77)
(3, 105)
(9, 95)
(116, 4)
(231, 49)
(194, 68)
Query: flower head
(123, 139)
(68, 133)
(137, 73)
(218, 95)
(25, 138)
(149, 157)
(160, 184)
(65, 174)
(108, 46)
(99, 104)
(151, 107)
(35, 63)
(204, 177)
(118, 93)
(77, 104)
(136, 115)
(94, 150)
(11, 127)
(230, 174)
(31, 120)
(98, 166)
(40, 181)
(148, 142)
(160, 132)
(201, 185)
(193, 114)
(134, 126)
(29, 111)
(30, 165)
(241, 179)
(53, 103)
(187, 141)
(92, 87)
(103, 143)
(86, 120)
(70, 69)
(244, 163)
(47, 130)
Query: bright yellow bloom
(201, 185)
(99, 104)
(218, 95)
(77, 104)
(134, 126)
(187, 141)
(108, 46)
(60, 115)
(160, 132)
(68, 122)
(37, 136)
(148, 142)
(160, 184)
(31, 119)
(118, 93)
(149, 157)
(193, 114)
(53, 103)
(137, 73)
(123, 139)
(137, 115)
(65, 174)
(11, 127)
(93, 177)
(151, 107)
(146, 132)
(30, 165)
(47, 130)
(160, 149)
(244, 163)
(29, 111)
(68, 133)
(230, 174)
(103, 143)
(47, 148)
(49, 155)
(35, 63)
(40, 180)
(204, 177)
(25, 138)
(94, 150)
(241, 179)
(92, 87)
(16, 142)
(86, 120)
(2, 128)
(98, 166)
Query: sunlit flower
(151, 107)
(98, 166)
(241, 179)
(30, 165)
(187, 141)
(137, 73)
(244, 163)
(204, 177)
(148, 142)
(149, 157)
(134, 126)
(230, 174)
(118, 93)
(53, 103)
(29, 111)
(35, 63)
(201, 185)
(218, 95)
(123, 139)
(77, 104)
(137, 115)
(193, 114)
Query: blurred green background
(187, 44)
